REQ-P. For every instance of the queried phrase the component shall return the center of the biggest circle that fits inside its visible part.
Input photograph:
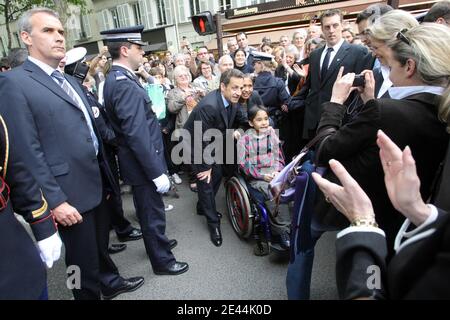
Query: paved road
(228, 272)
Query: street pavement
(229, 272)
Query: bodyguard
(53, 132)
(140, 152)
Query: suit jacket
(411, 121)
(419, 270)
(141, 150)
(52, 137)
(211, 114)
(22, 270)
(317, 91)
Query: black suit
(317, 91)
(22, 270)
(212, 114)
(419, 270)
(53, 139)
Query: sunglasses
(402, 37)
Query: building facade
(166, 22)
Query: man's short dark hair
(440, 9)
(239, 33)
(225, 78)
(17, 56)
(114, 48)
(378, 9)
(331, 13)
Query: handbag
(282, 187)
(156, 94)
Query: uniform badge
(95, 111)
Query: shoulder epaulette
(120, 76)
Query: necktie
(71, 93)
(326, 62)
(229, 113)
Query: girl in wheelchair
(260, 159)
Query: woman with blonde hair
(414, 117)
(378, 35)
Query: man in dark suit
(218, 110)
(141, 151)
(54, 131)
(23, 273)
(324, 67)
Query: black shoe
(219, 215)
(128, 285)
(173, 243)
(116, 248)
(135, 234)
(216, 236)
(175, 269)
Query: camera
(79, 70)
(359, 81)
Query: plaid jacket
(259, 154)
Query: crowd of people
(70, 140)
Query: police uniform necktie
(71, 93)
(326, 62)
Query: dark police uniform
(22, 272)
(140, 154)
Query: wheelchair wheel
(239, 208)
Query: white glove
(162, 183)
(50, 249)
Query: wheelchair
(248, 218)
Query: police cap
(261, 56)
(75, 55)
(129, 34)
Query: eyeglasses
(402, 37)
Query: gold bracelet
(364, 223)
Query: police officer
(271, 89)
(140, 151)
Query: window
(137, 13)
(115, 18)
(225, 5)
(183, 13)
(85, 27)
(162, 13)
(124, 15)
(147, 15)
(195, 7)
(105, 20)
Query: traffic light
(204, 23)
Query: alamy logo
(374, 280)
(73, 277)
